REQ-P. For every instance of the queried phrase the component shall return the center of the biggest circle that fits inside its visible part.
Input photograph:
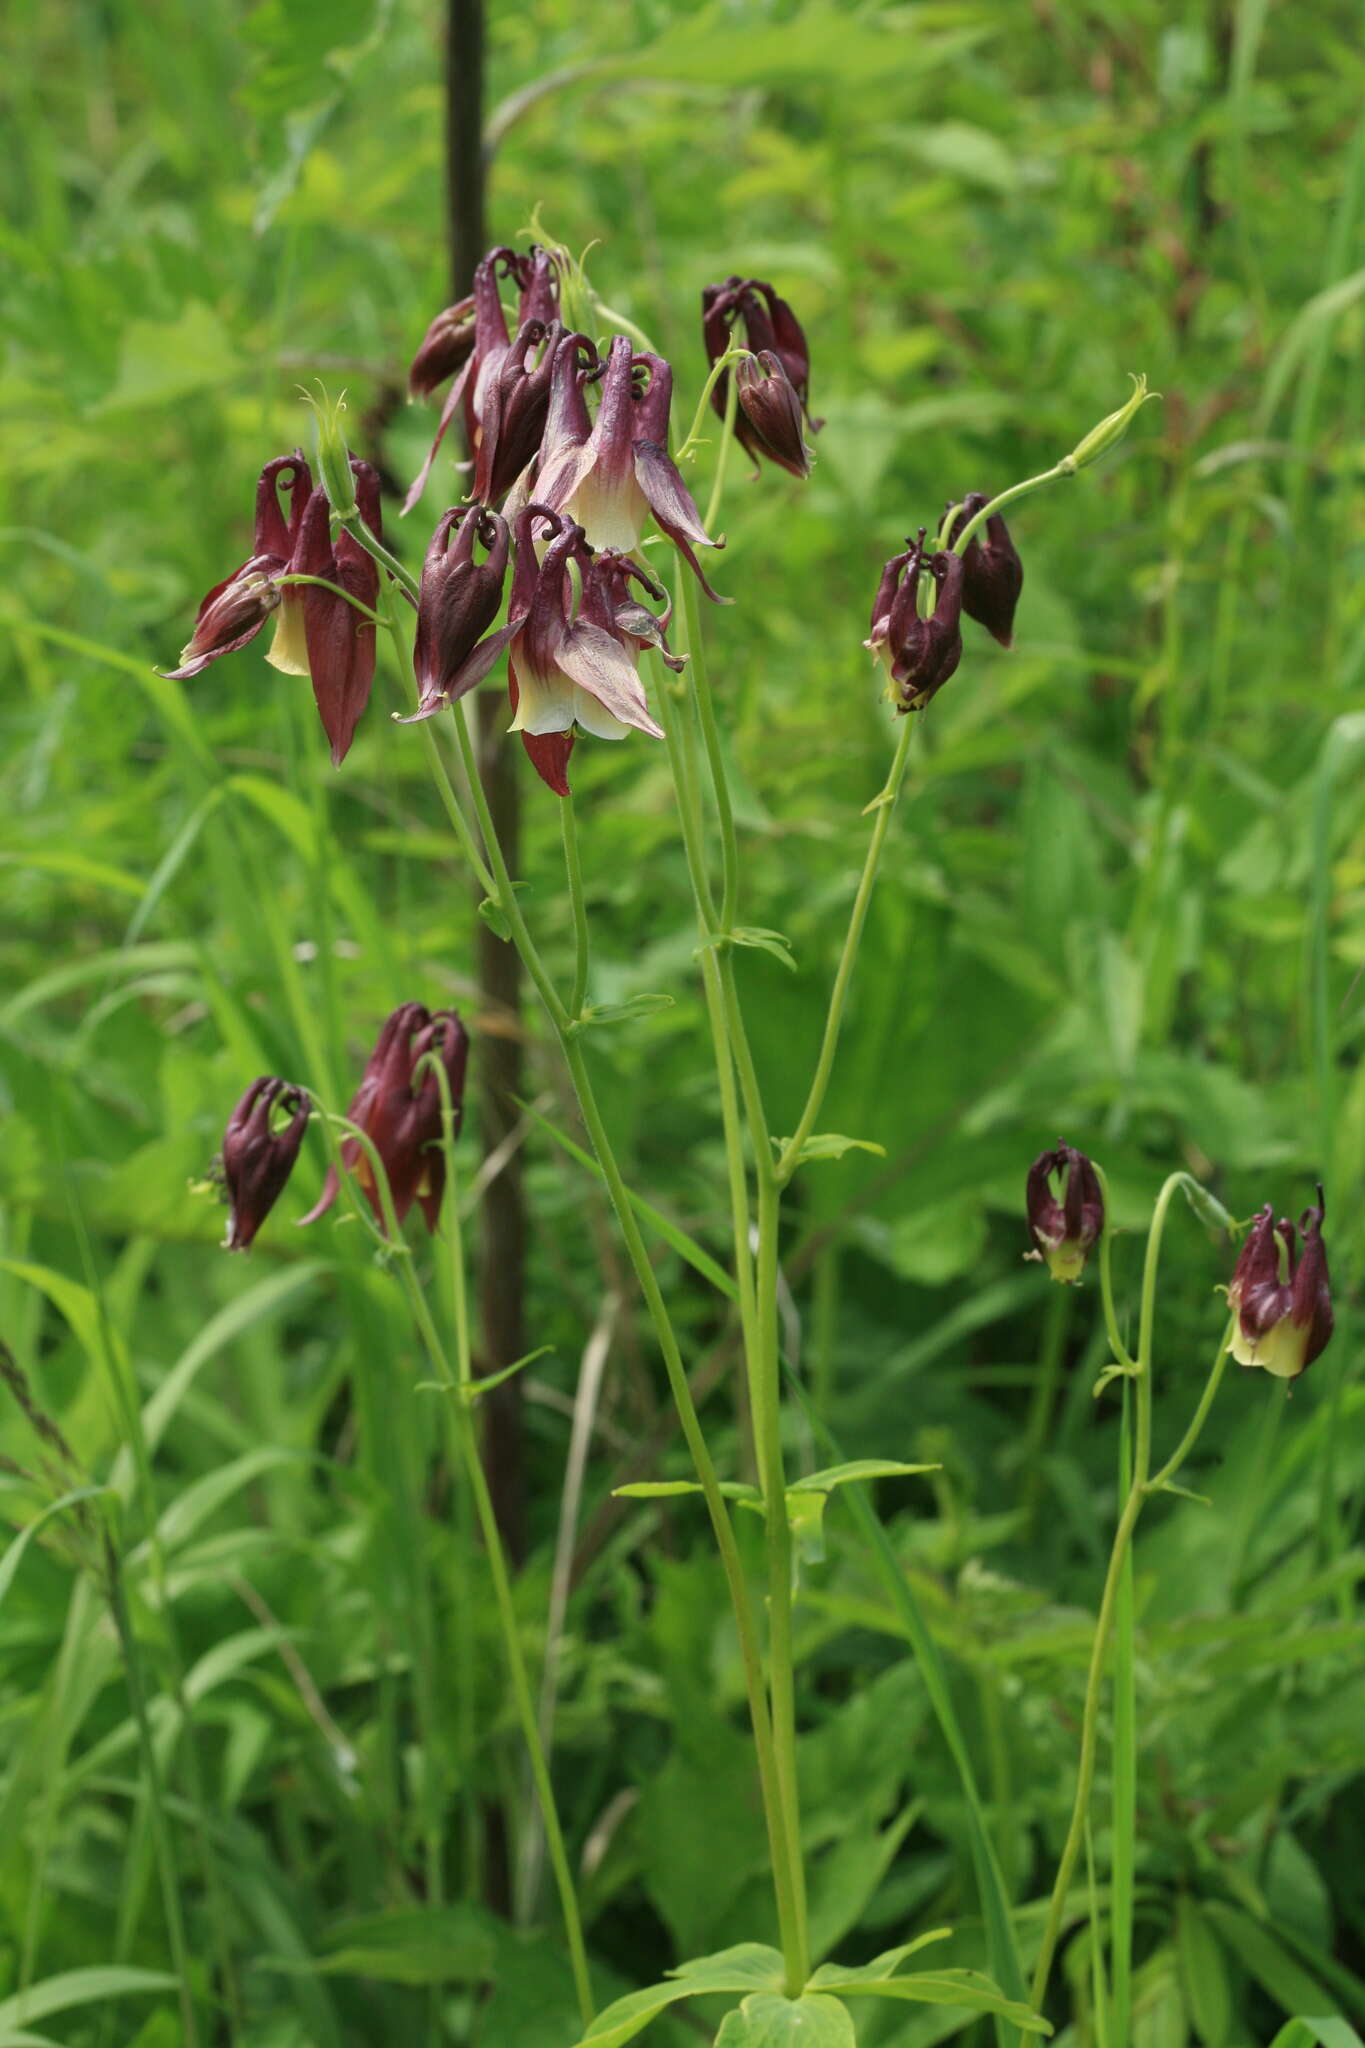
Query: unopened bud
(1109, 432)
(333, 456)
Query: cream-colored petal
(289, 648)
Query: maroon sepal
(993, 574)
(340, 640)
(235, 610)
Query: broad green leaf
(768, 2020)
(1317, 2033)
(202, 1499)
(741, 1969)
(80, 1987)
(1203, 1974)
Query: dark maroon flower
(537, 283)
(1065, 1210)
(338, 649)
(257, 1158)
(919, 654)
(1282, 1298)
(457, 603)
(572, 661)
(768, 402)
(611, 477)
(770, 329)
(993, 574)
(235, 610)
(399, 1110)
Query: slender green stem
(1064, 468)
(885, 804)
(1128, 1520)
(296, 578)
(1187, 1442)
(663, 1327)
(718, 370)
(455, 1382)
(706, 712)
(723, 458)
(372, 545)
(574, 870)
(161, 1834)
(779, 1791)
(1122, 1356)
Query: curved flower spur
(470, 341)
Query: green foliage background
(1125, 901)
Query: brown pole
(502, 1236)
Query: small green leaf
(966, 1988)
(495, 917)
(472, 1389)
(857, 1468)
(765, 941)
(1169, 1486)
(414, 1945)
(831, 1145)
(622, 1013)
(80, 1987)
(881, 1967)
(767, 2020)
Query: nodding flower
(257, 1158)
(993, 574)
(919, 654)
(611, 475)
(1065, 1206)
(514, 409)
(763, 425)
(457, 602)
(235, 610)
(1282, 1298)
(399, 1110)
(572, 659)
(481, 321)
(338, 642)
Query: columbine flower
(458, 601)
(767, 422)
(610, 478)
(336, 647)
(1065, 1210)
(399, 1111)
(513, 413)
(257, 1158)
(919, 654)
(1282, 1298)
(993, 574)
(570, 666)
(537, 284)
(235, 610)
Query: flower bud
(768, 399)
(1065, 1210)
(919, 654)
(258, 1160)
(445, 348)
(1110, 430)
(1281, 1297)
(333, 456)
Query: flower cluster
(569, 449)
(916, 630)
(398, 1107)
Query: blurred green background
(1124, 902)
